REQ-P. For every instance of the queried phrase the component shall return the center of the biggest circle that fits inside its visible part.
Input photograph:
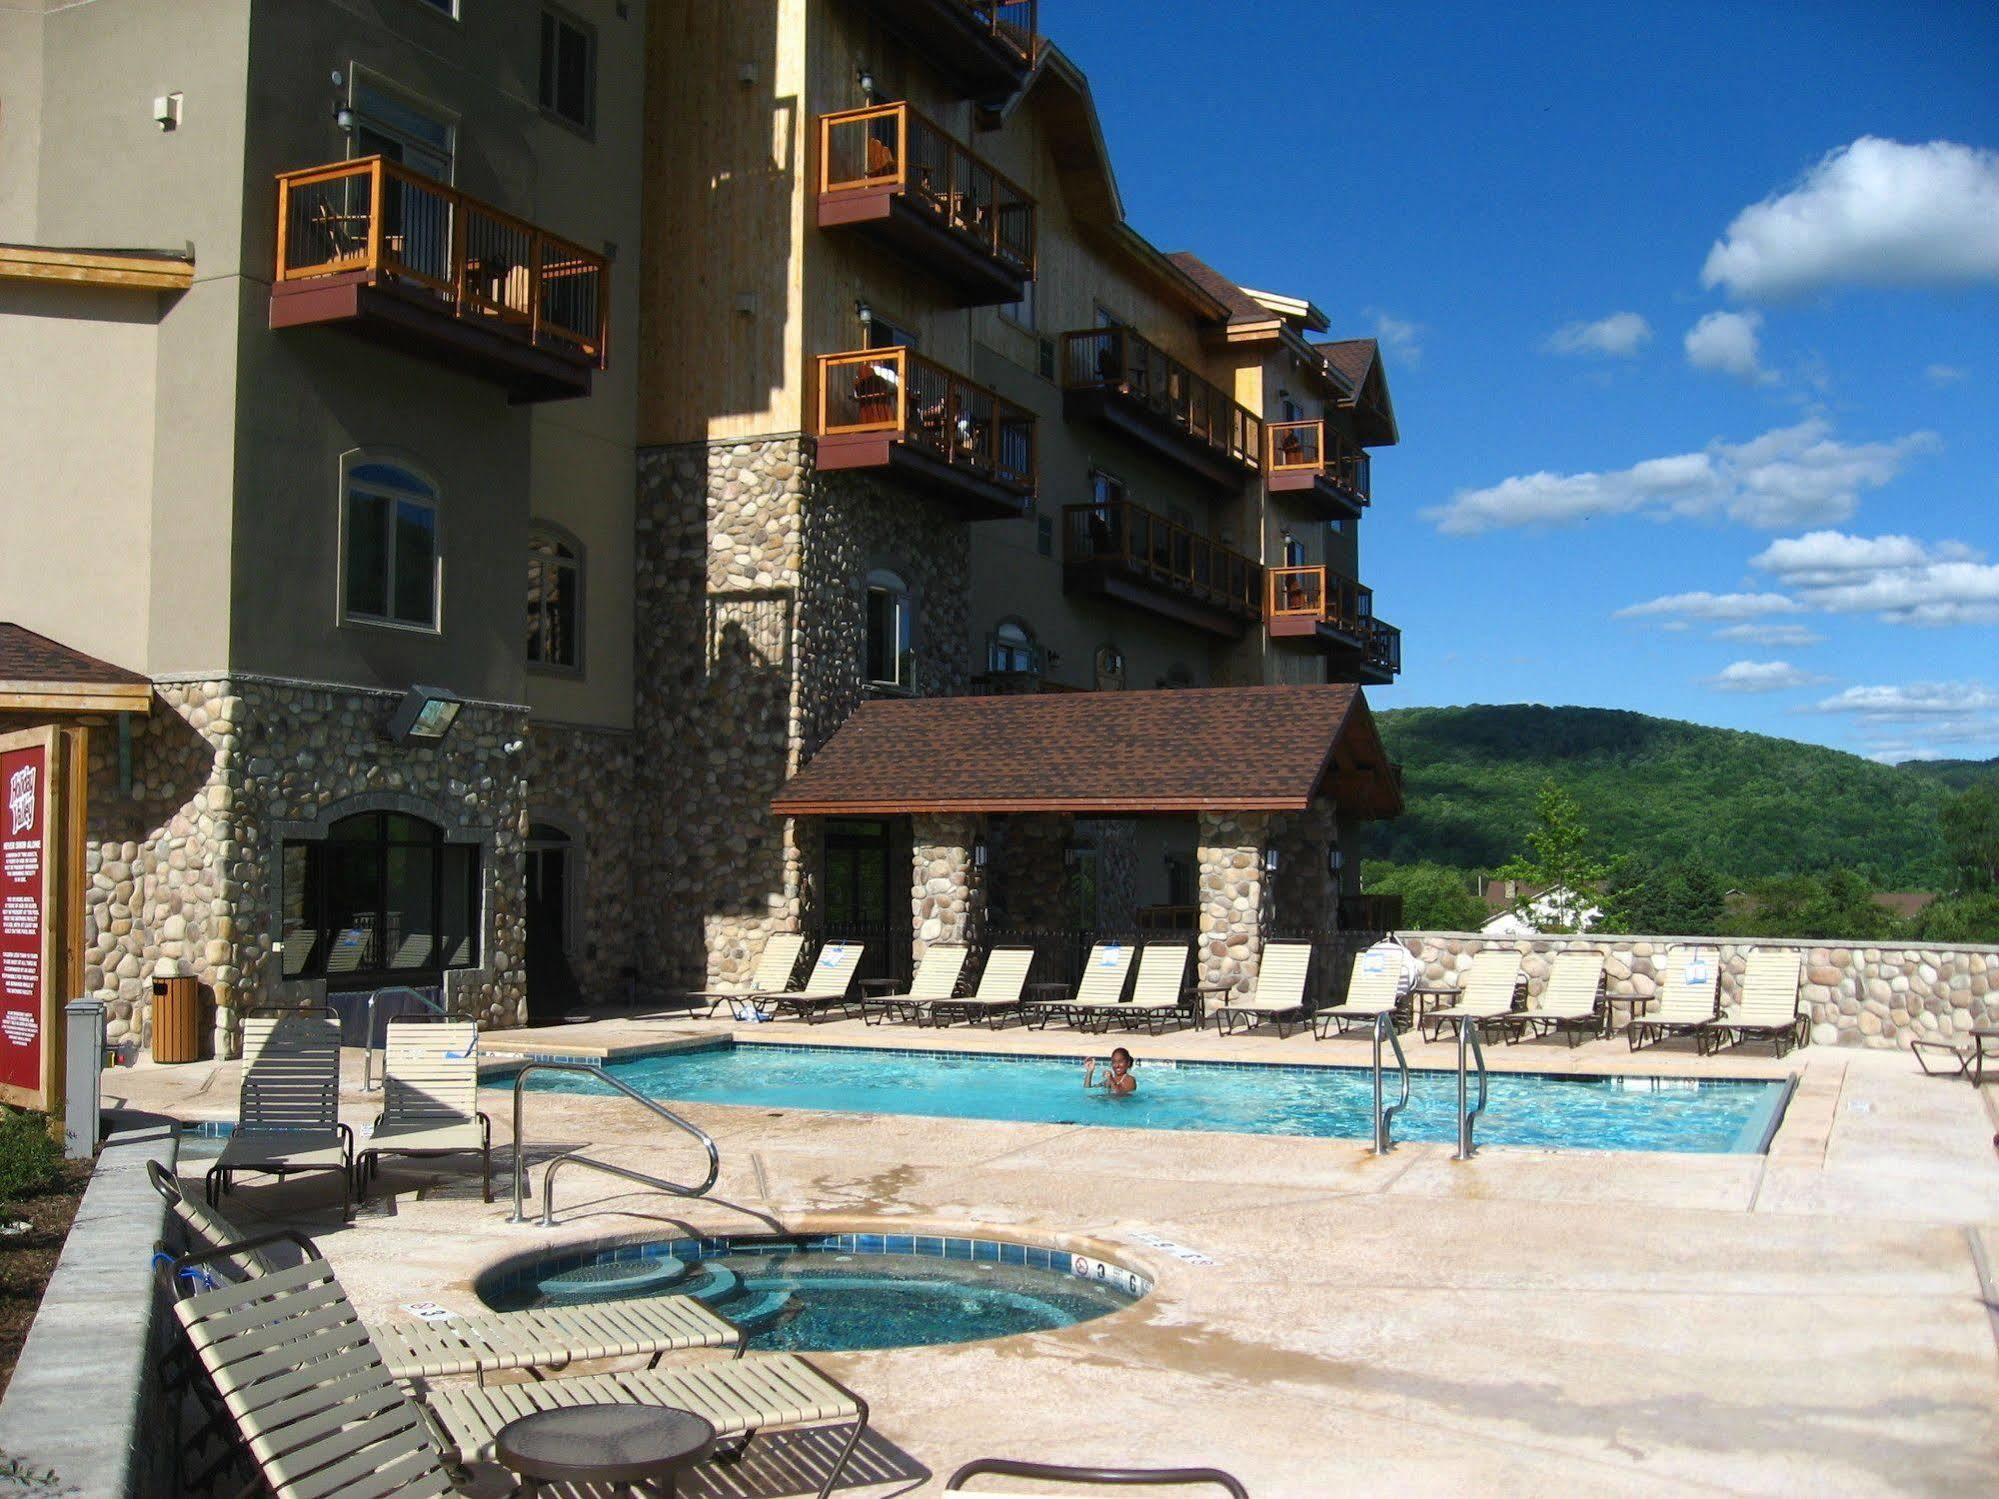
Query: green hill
(1958, 775)
(1752, 806)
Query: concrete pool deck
(1820, 1320)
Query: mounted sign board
(41, 826)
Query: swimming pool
(837, 1293)
(1710, 1115)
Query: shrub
(1960, 918)
(30, 1161)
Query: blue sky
(1536, 207)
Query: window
(382, 897)
(1046, 364)
(1293, 412)
(1021, 314)
(1294, 551)
(568, 70)
(1012, 648)
(1105, 318)
(390, 569)
(1044, 535)
(390, 122)
(555, 594)
(882, 334)
(1105, 489)
(891, 660)
(446, 7)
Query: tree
(1971, 836)
(1435, 897)
(1835, 907)
(1959, 918)
(1561, 878)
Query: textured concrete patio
(1821, 1320)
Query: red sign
(24, 948)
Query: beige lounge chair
(936, 978)
(1571, 1000)
(1766, 1007)
(1089, 1477)
(1485, 996)
(1001, 983)
(1686, 998)
(1156, 994)
(1373, 990)
(288, 1113)
(825, 988)
(319, 1410)
(1280, 990)
(430, 1098)
(1103, 982)
(772, 975)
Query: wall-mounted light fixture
(343, 117)
(866, 80)
(1270, 861)
(1335, 861)
(425, 716)
(867, 316)
(979, 853)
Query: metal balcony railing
(1307, 448)
(1320, 594)
(1130, 367)
(933, 409)
(1163, 553)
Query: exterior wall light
(1335, 861)
(425, 716)
(979, 853)
(1270, 861)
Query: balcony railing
(1012, 22)
(894, 147)
(1121, 363)
(473, 260)
(1130, 539)
(1307, 448)
(1319, 594)
(933, 410)
(1384, 648)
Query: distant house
(1543, 907)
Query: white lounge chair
(1103, 983)
(1160, 992)
(1686, 998)
(1280, 990)
(1373, 990)
(1571, 1000)
(1001, 983)
(772, 975)
(430, 1098)
(1485, 996)
(825, 988)
(1121, 1478)
(288, 1112)
(1766, 1007)
(936, 978)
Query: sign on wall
(37, 919)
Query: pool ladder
(521, 1190)
(1469, 1050)
(1384, 1117)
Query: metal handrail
(1384, 1118)
(548, 1177)
(1468, 1038)
(368, 1083)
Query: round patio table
(643, 1447)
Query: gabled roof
(1242, 307)
(1204, 749)
(40, 674)
(1357, 361)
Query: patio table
(644, 1447)
(1633, 1002)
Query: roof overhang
(74, 697)
(40, 675)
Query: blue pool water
(1573, 1113)
(832, 1293)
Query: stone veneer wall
(943, 893)
(580, 780)
(185, 866)
(1230, 849)
(1035, 888)
(1877, 996)
(751, 592)
(1304, 895)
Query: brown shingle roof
(1216, 749)
(36, 667)
(1243, 308)
(1351, 358)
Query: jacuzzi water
(834, 1293)
(1712, 1115)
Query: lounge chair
(1001, 984)
(1686, 998)
(1156, 994)
(484, 1343)
(1766, 1005)
(430, 1098)
(1485, 996)
(319, 1410)
(1280, 990)
(1572, 999)
(772, 975)
(1373, 990)
(1103, 984)
(825, 988)
(288, 1114)
(936, 978)
(1089, 1477)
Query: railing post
(536, 261)
(377, 180)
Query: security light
(425, 716)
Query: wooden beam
(95, 268)
(75, 697)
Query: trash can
(176, 1019)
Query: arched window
(389, 545)
(1012, 648)
(891, 658)
(555, 598)
(382, 898)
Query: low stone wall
(1880, 996)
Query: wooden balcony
(1319, 604)
(1124, 552)
(930, 427)
(1114, 376)
(375, 249)
(985, 47)
(1307, 460)
(890, 173)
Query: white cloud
(1878, 213)
(1789, 635)
(1726, 342)
(1711, 606)
(1915, 702)
(1400, 338)
(1941, 375)
(1619, 336)
(1901, 579)
(1762, 676)
(1791, 476)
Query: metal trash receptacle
(176, 1019)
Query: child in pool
(1117, 1077)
